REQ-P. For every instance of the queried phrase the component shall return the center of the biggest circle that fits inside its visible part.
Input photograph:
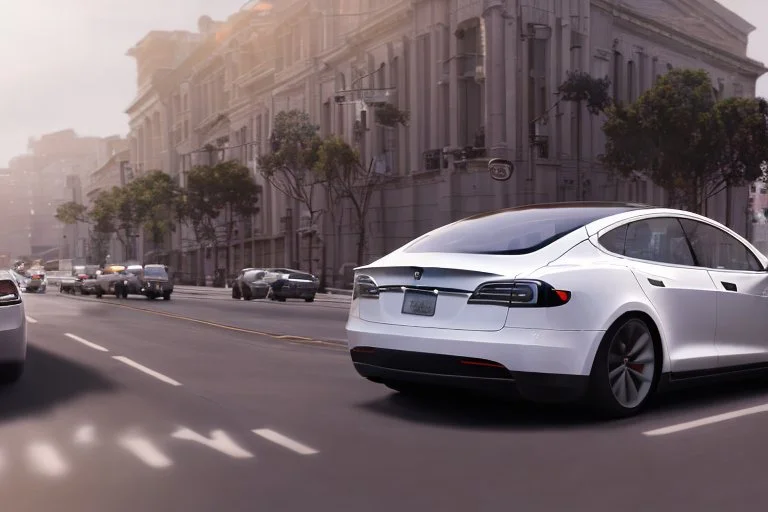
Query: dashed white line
(148, 371)
(85, 342)
(146, 452)
(680, 427)
(31, 320)
(85, 434)
(47, 460)
(284, 441)
(219, 440)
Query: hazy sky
(64, 63)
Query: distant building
(54, 172)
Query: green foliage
(389, 115)
(153, 198)
(582, 87)
(342, 170)
(295, 144)
(671, 134)
(71, 213)
(290, 167)
(226, 188)
(743, 123)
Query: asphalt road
(149, 406)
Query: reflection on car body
(607, 301)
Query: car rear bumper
(528, 360)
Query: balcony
(255, 75)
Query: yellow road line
(282, 337)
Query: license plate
(419, 303)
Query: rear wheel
(309, 299)
(626, 369)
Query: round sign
(500, 169)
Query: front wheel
(626, 369)
(166, 295)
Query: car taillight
(522, 293)
(9, 293)
(365, 287)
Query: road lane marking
(31, 320)
(282, 337)
(285, 442)
(85, 434)
(85, 342)
(148, 371)
(219, 440)
(680, 427)
(145, 451)
(47, 460)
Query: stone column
(495, 92)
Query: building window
(424, 56)
(470, 90)
(618, 60)
(631, 81)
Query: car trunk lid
(432, 289)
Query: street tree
(670, 135)
(743, 124)
(585, 91)
(72, 212)
(290, 166)
(114, 212)
(225, 190)
(154, 196)
(343, 171)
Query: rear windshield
(516, 231)
(155, 272)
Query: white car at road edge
(605, 301)
(13, 329)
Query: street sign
(500, 169)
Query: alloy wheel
(631, 363)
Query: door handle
(656, 282)
(729, 286)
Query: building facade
(478, 78)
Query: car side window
(660, 240)
(717, 249)
(614, 240)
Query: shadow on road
(48, 381)
(480, 412)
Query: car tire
(11, 372)
(247, 294)
(626, 369)
(309, 299)
(235, 292)
(167, 296)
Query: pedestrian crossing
(56, 459)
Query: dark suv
(155, 282)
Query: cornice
(639, 21)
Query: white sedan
(605, 301)
(13, 330)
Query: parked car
(113, 280)
(285, 283)
(13, 330)
(250, 284)
(155, 282)
(36, 282)
(607, 301)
